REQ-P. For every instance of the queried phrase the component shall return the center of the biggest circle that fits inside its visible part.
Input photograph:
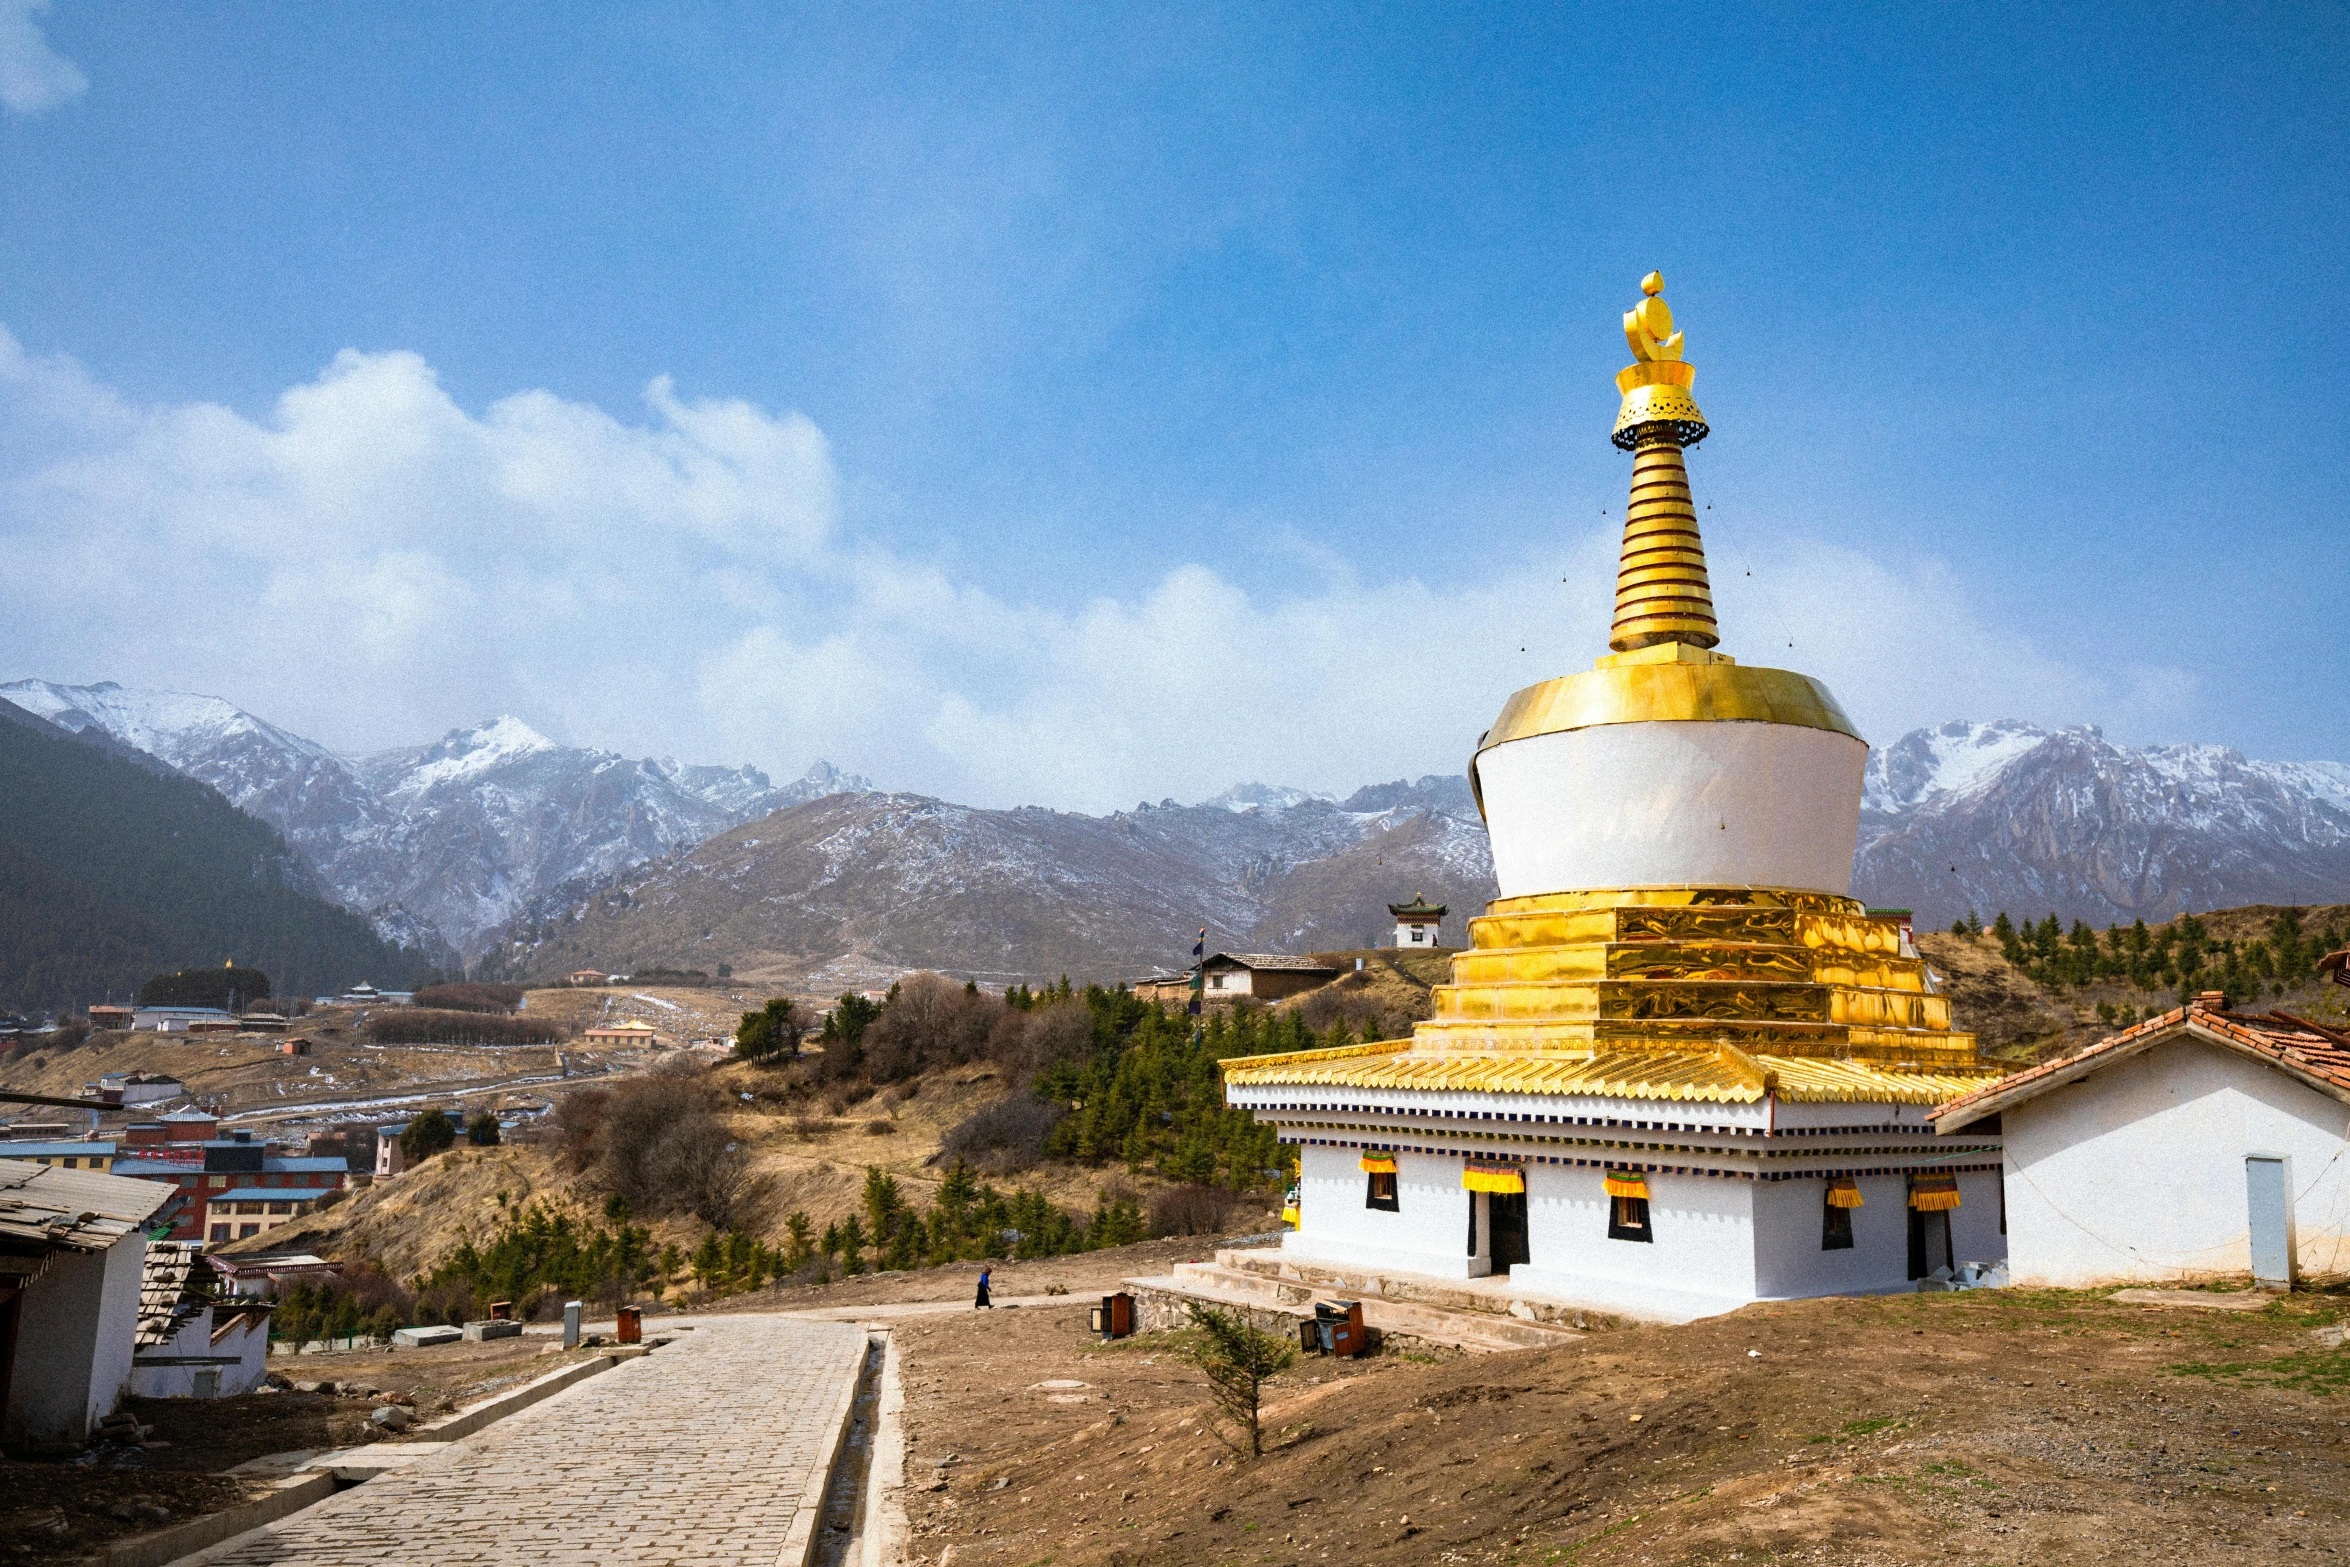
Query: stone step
(1488, 1297)
(1160, 1303)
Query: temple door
(1507, 1216)
(1929, 1243)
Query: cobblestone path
(698, 1453)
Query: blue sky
(1079, 405)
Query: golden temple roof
(1714, 1077)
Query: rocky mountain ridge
(2007, 815)
(437, 844)
(496, 844)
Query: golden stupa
(1719, 959)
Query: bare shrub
(1058, 1033)
(1191, 1209)
(468, 996)
(1003, 1136)
(659, 1143)
(930, 1022)
(1353, 1001)
(579, 1127)
(421, 1026)
(880, 1128)
(805, 1127)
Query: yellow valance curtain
(1378, 1164)
(1933, 1193)
(1627, 1183)
(1844, 1192)
(1480, 1176)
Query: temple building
(1418, 923)
(1679, 1067)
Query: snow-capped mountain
(854, 889)
(2007, 815)
(1984, 816)
(436, 843)
(495, 841)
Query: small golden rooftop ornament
(1657, 405)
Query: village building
(190, 1343)
(107, 1016)
(71, 1253)
(390, 1157)
(588, 976)
(228, 1172)
(623, 1034)
(1679, 1068)
(1163, 989)
(2200, 1145)
(183, 1020)
(1262, 976)
(137, 1090)
(1418, 923)
(256, 1274)
(67, 1155)
(242, 1212)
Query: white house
(71, 1255)
(1418, 923)
(192, 1343)
(2199, 1145)
(1262, 976)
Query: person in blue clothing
(983, 1300)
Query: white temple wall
(1428, 1233)
(1974, 1225)
(1701, 1262)
(1788, 1225)
(2136, 1172)
(1673, 804)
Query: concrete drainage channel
(864, 1501)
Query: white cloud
(33, 76)
(372, 564)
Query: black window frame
(1835, 1223)
(1628, 1220)
(1385, 1202)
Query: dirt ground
(55, 1512)
(1988, 1426)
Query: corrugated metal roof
(270, 1194)
(1271, 960)
(1618, 1074)
(80, 1210)
(170, 1296)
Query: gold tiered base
(1722, 993)
(1780, 972)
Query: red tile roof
(2312, 1052)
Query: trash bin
(1339, 1324)
(632, 1326)
(1114, 1317)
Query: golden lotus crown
(1657, 405)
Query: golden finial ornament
(1656, 387)
(1662, 593)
